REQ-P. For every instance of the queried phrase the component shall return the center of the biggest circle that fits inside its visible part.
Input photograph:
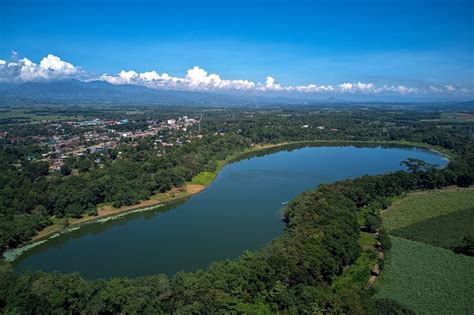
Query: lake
(241, 210)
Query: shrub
(467, 246)
(385, 242)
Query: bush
(385, 242)
(93, 213)
(373, 222)
(467, 246)
(464, 181)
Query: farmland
(426, 205)
(420, 269)
(428, 279)
(444, 231)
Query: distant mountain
(101, 92)
(6, 86)
(104, 93)
(74, 92)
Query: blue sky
(422, 45)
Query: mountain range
(101, 92)
(75, 92)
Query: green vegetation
(457, 117)
(19, 115)
(430, 280)
(359, 272)
(204, 178)
(426, 205)
(445, 231)
(386, 306)
(318, 265)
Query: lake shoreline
(107, 211)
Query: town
(77, 138)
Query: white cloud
(401, 89)
(450, 88)
(358, 87)
(195, 79)
(128, 76)
(345, 87)
(270, 85)
(150, 76)
(456, 89)
(52, 67)
(55, 64)
(370, 88)
(435, 89)
(313, 88)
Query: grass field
(429, 279)
(418, 272)
(453, 118)
(458, 117)
(23, 115)
(444, 231)
(426, 205)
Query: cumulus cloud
(195, 79)
(450, 88)
(313, 88)
(357, 87)
(270, 85)
(400, 89)
(370, 88)
(50, 68)
(435, 89)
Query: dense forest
(294, 273)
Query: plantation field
(22, 115)
(430, 280)
(444, 231)
(426, 205)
